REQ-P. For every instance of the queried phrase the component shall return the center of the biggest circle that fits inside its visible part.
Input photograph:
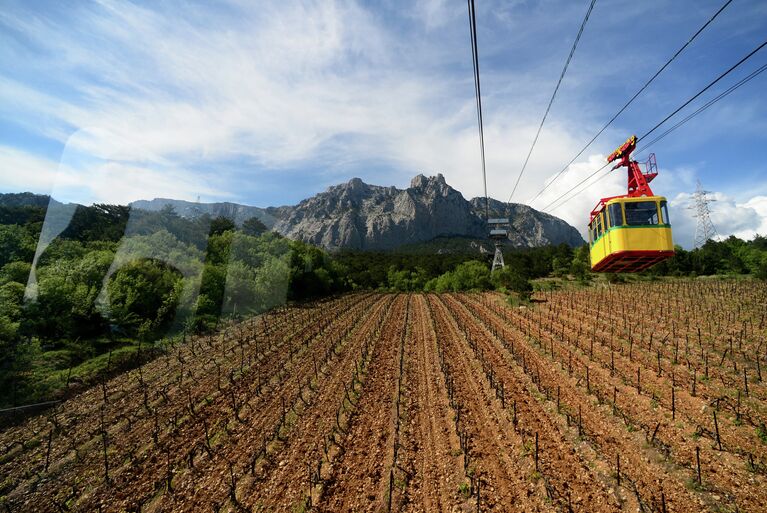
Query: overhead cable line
(716, 99)
(631, 100)
(711, 102)
(720, 77)
(574, 193)
(551, 101)
(478, 95)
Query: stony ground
(630, 398)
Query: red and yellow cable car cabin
(632, 232)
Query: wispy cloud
(162, 99)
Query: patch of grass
(6, 486)
(31, 444)
(692, 484)
(761, 432)
(535, 476)
(527, 448)
(515, 300)
(301, 507)
(465, 490)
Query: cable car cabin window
(598, 222)
(641, 213)
(664, 212)
(616, 215)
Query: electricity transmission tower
(704, 230)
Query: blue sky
(266, 103)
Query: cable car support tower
(498, 233)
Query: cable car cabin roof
(498, 234)
(498, 220)
(621, 199)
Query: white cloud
(574, 207)
(147, 100)
(275, 87)
(83, 179)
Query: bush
(761, 271)
(514, 280)
(615, 278)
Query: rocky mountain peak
(357, 215)
(356, 185)
(434, 182)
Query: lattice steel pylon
(498, 258)
(704, 229)
(498, 233)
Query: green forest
(116, 284)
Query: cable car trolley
(630, 233)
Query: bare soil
(598, 400)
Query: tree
(221, 224)
(99, 222)
(144, 292)
(17, 271)
(580, 267)
(761, 272)
(254, 227)
(15, 245)
(11, 296)
(213, 286)
(241, 292)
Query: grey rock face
(530, 227)
(356, 215)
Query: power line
(478, 95)
(714, 100)
(663, 135)
(711, 102)
(720, 77)
(631, 100)
(551, 101)
(575, 193)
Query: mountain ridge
(360, 216)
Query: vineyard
(645, 397)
